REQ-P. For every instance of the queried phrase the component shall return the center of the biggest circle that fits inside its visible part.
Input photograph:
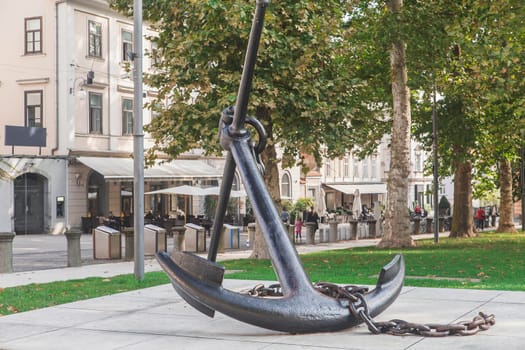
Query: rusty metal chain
(359, 308)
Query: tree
(469, 70)
(301, 91)
(397, 229)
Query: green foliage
(472, 56)
(302, 90)
(302, 204)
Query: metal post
(138, 143)
(435, 166)
(522, 180)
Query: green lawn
(491, 261)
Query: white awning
(363, 188)
(122, 169)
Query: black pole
(435, 166)
(239, 117)
(522, 180)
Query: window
(95, 113)
(33, 37)
(365, 168)
(95, 39)
(328, 167)
(418, 161)
(286, 188)
(127, 116)
(33, 108)
(373, 173)
(356, 167)
(127, 45)
(346, 167)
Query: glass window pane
(127, 36)
(95, 100)
(33, 24)
(33, 98)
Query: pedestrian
(480, 216)
(285, 216)
(298, 227)
(313, 217)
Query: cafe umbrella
(184, 190)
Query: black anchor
(302, 308)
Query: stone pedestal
(310, 232)
(417, 226)
(441, 224)
(372, 228)
(74, 256)
(428, 223)
(251, 234)
(178, 238)
(332, 234)
(6, 251)
(129, 243)
(353, 229)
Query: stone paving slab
(157, 318)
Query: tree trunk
(506, 222)
(271, 178)
(462, 215)
(397, 220)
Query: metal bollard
(74, 256)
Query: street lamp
(435, 165)
(522, 180)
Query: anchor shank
(243, 93)
(284, 257)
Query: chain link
(358, 308)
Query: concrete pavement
(157, 318)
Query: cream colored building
(66, 127)
(67, 119)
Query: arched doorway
(29, 204)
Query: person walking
(480, 216)
(313, 217)
(298, 228)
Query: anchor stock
(302, 308)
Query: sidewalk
(157, 318)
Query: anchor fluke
(181, 263)
(304, 310)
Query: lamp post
(435, 166)
(138, 144)
(522, 180)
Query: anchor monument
(301, 307)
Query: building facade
(66, 129)
(67, 119)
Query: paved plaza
(157, 318)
